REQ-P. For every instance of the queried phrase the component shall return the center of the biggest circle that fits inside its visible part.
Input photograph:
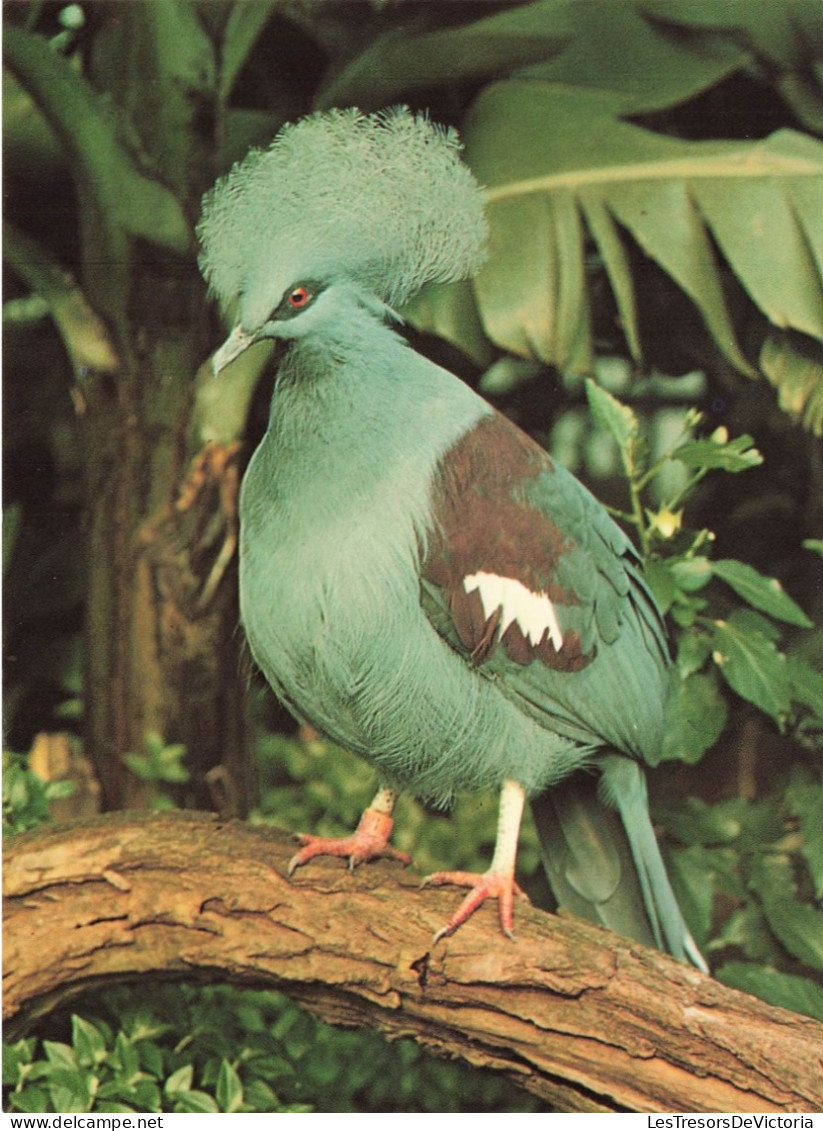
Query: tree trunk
(585, 1020)
(162, 646)
(139, 130)
(161, 638)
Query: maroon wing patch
(494, 555)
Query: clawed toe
(369, 841)
(491, 885)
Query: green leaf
(780, 36)
(531, 296)
(659, 578)
(88, 1041)
(651, 68)
(814, 544)
(747, 931)
(13, 1057)
(229, 1090)
(693, 821)
(60, 1054)
(695, 716)
(195, 1101)
(160, 763)
(617, 419)
(70, 1090)
(673, 581)
(147, 1095)
(507, 374)
(806, 684)
(798, 926)
(39, 1070)
(29, 1100)
(179, 1081)
(616, 261)
(693, 649)
(729, 455)
(260, 1097)
(690, 574)
(774, 259)
(749, 662)
(151, 1058)
(449, 311)
(804, 798)
(57, 789)
(143, 1026)
(788, 991)
(794, 365)
(243, 27)
(127, 200)
(396, 63)
(125, 1057)
(569, 44)
(693, 872)
(763, 825)
(765, 593)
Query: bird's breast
(329, 573)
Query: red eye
(299, 298)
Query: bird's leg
(369, 840)
(498, 882)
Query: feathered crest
(381, 198)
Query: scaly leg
(369, 840)
(498, 882)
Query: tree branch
(585, 1020)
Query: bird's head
(310, 307)
(344, 212)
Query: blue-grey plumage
(336, 510)
(417, 578)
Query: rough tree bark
(587, 1021)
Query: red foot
(492, 885)
(369, 840)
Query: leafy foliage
(159, 764)
(26, 797)
(224, 1050)
(748, 857)
(138, 1067)
(763, 857)
(741, 644)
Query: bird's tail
(602, 859)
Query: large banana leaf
(558, 166)
(783, 38)
(397, 62)
(604, 45)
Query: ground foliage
(653, 170)
(221, 1049)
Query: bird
(419, 580)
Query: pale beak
(236, 343)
